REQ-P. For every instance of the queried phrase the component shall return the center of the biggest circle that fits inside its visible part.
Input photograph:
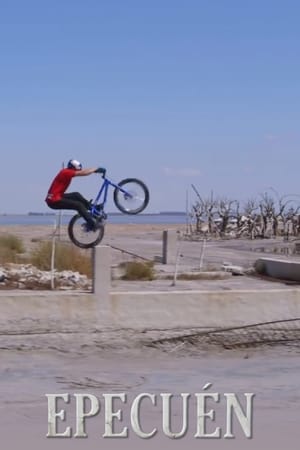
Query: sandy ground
(146, 241)
(34, 365)
(30, 233)
(272, 375)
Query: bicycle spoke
(83, 235)
(132, 197)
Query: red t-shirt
(60, 184)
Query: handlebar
(101, 171)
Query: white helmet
(74, 164)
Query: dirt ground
(34, 365)
(145, 241)
(272, 375)
(32, 233)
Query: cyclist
(57, 198)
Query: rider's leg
(77, 197)
(66, 203)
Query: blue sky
(172, 92)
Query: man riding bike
(57, 198)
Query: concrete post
(169, 249)
(297, 248)
(102, 272)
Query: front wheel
(131, 196)
(81, 235)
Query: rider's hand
(100, 170)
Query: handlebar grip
(101, 171)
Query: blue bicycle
(131, 196)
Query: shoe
(102, 216)
(86, 227)
(97, 224)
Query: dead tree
(198, 211)
(210, 211)
(267, 210)
(250, 218)
(225, 212)
(250, 206)
(256, 217)
(204, 210)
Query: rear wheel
(81, 234)
(131, 196)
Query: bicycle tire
(119, 196)
(96, 239)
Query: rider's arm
(83, 172)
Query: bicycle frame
(104, 192)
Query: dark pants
(75, 201)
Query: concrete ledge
(279, 268)
(34, 312)
(204, 308)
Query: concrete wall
(279, 268)
(203, 308)
(30, 311)
(47, 311)
(56, 311)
